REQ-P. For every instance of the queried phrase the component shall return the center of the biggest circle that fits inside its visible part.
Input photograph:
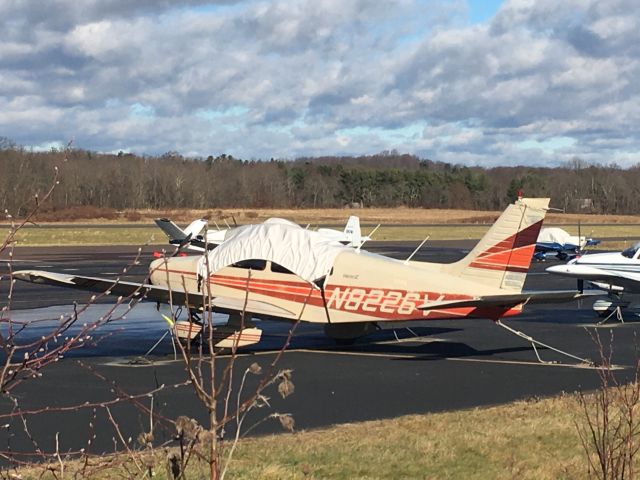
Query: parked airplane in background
(557, 241)
(279, 269)
(191, 238)
(616, 273)
(350, 236)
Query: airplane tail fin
(195, 227)
(502, 257)
(352, 231)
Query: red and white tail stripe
(503, 256)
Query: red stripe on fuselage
(374, 303)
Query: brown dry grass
(336, 216)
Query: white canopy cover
(558, 235)
(306, 253)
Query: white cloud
(259, 79)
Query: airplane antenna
(368, 237)
(216, 224)
(227, 223)
(416, 250)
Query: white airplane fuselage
(612, 271)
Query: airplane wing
(586, 272)
(99, 285)
(511, 300)
(629, 281)
(154, 293)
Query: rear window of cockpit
(280, 269)
(251, 264)
(631, 251)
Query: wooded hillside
(388, 179)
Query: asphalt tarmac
(406, 368)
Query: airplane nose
(556, 269)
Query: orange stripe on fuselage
(373, 303)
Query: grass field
(304, 216)
(92, 235)
(525, 440)
(127, 235)
(535, 439)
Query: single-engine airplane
(557, 241)
(192, 239)
(279, 269)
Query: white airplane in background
(191, 238)
(616, 273)
(351, 236)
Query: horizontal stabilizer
(171, 229)
(511, 300)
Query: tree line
(388, 179)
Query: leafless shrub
(70, 214)
(609, 422)
(211, 444)
(227, 402)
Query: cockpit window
(251, 264)
(631, 251)
(280, 269)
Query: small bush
(75, 213)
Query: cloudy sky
(479, 82)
